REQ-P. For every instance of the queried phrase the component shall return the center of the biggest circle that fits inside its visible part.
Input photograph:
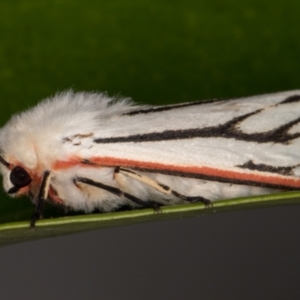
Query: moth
(88, 151)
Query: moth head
(15, 178)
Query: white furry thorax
(34, 137)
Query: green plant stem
(19, 231)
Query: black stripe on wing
(226, 130)
(171, 107)
(294, 98)
(250, 165)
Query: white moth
(86, 151)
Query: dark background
(241, 255)
(156, 52)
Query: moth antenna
(4, 162)
(118, 192)
(42, 197)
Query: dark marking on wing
(163, 186)
(126, 170)
(83, 135)
(226, 130)
(66, 139)
(170, 107)
(294, 98)
(87, 162)
(70, 139)
(267, 168)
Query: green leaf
(19, 231)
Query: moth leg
(42, 196)
(117, 192)
(161, 187)
(193, 199)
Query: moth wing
(252, 140)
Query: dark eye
(19, 177)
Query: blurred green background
(153, 51)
